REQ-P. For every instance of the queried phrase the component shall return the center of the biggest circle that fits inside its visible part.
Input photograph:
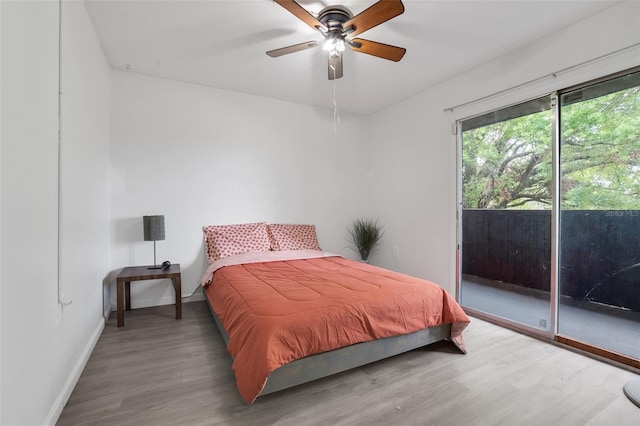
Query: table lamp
(153, 231)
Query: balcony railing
(599, 252)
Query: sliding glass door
(506, 213)
(599, 275)
(549, 217)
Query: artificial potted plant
(365, 234)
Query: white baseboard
(65, 392)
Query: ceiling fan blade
(380, 50)
(335, 66)
(292, 49)
(302, 14)
(375, 15)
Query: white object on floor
(632, 390)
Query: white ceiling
(222, 44)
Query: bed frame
(325, 364)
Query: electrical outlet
(396, 251)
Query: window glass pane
(599, 271)
(506, 216)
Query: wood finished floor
(160, 371)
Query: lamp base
(154, 267)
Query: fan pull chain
(336, 115)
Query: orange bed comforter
(277, 311)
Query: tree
(508, 164)
(601, 152)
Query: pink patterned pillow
(293, 237)
(228, 240)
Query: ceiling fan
(339, 27)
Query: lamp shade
(153, 227)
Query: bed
(290, 313)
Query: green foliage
(600, 158)
(365, 234)
(508, 164)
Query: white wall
(413, 187)
(0, 219)
(203, 156)
(44, 347)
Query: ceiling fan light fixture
(334, 46)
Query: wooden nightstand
(140, 273)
